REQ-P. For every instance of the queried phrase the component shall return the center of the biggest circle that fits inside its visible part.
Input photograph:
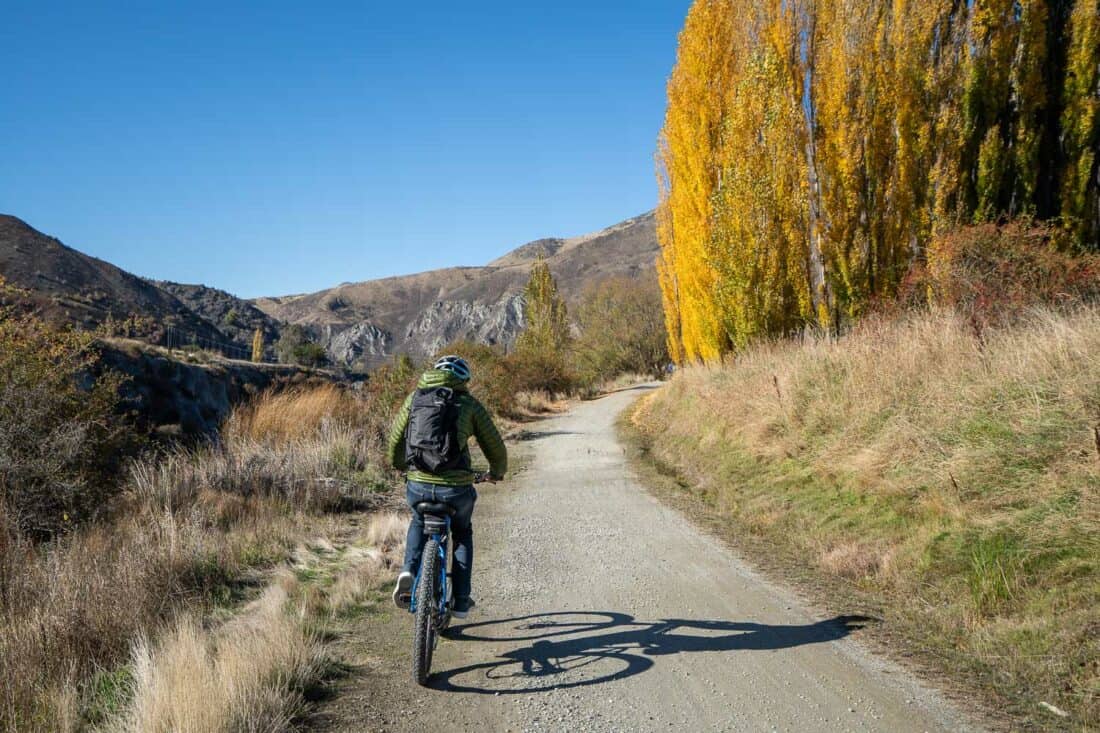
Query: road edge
(781, 566)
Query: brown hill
(418, 314)
(357, 322)
(234, 317)
(66, 286)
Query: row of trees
(814, 149)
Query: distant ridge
(421, 313)
(358, 323)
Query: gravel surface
(600, 609)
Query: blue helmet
(456, 365)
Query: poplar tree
(1080, 124)
(543, 345)
(688, 174)
(258, 345)
(814, 150)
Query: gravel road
(600, 609)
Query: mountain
(358, 323)
(66, 286)
(419, 314)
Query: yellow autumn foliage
(813, 148)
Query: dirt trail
(600, 609)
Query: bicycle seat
(435, 507)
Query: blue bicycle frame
(442, 548)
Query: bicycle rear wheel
(426, 594)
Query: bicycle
(433, 599)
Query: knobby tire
(426, 594)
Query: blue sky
(279, 147)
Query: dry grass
(281, 417)
(245, 676)
(189, 528)
(950, 471)
(249, 673)
(537, 403)
(81, 602)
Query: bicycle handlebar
(481, 477)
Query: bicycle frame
(443, 546)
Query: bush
(995, 273)
(622, 328)
(495, 379)
(61, 443)
(310, 354)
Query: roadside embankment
(948, 473)
(191, 398)
(107, 622)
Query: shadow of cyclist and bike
(555, 651)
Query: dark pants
(462, 498)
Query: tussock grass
(80, 602)
(249, 674)
(188, 532)
(950, 471)
(290, 415)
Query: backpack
(431, 438)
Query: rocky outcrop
(351, 345)
(445, 322)
(420, 314)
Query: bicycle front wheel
(426, 594)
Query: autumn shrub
(61, 443)
(994, 273)
(495, 381)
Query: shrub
(994, 273)
(495, 378)
(310, 354)
(622, 330)
(60, 442)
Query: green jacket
(473, 420)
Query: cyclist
(429, 438)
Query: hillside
(67, 286)
(235, 318)
(361, 322)
(421, 313)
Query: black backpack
(431, 438)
